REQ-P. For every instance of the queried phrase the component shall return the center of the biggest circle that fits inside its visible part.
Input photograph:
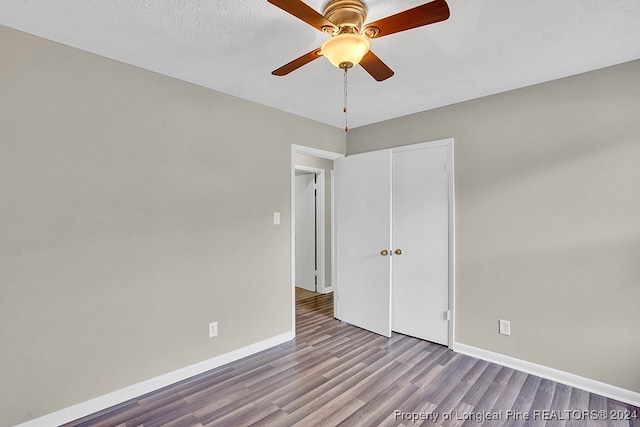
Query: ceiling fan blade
(303, 12)
(374, 66)
(297, 63)
(425, 14)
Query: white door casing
(401, 198)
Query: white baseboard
(108, 400)
(328, 290)
(587, 384)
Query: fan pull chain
(346, 127)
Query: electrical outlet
(505, 327)
(213, 329)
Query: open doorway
(312, 222)
(310, 230)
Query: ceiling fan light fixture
(345, 50)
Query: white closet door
(363, 218)
(420, 230)
(305, 232)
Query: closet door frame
(449, 143)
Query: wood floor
(337, 374)
(302, 293)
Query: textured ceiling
(232, 46)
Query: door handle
(384, 252)
(398, 252)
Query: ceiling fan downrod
(346, 125)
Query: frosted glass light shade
(345, 49)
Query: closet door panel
(363, 227)
(420, 275)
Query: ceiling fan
(348, 46)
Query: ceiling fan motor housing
(347, 15)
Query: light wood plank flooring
(337, 374)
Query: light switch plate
(213, 329)
(505, 327)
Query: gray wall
(327, 165)
(547, 218)
(135, 210)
